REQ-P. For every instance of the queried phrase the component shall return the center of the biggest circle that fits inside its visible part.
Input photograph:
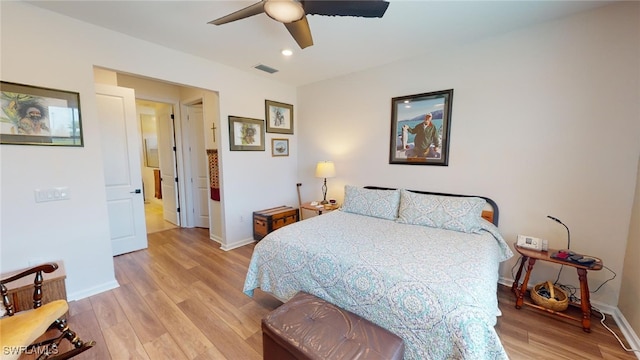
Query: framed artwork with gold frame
(279, 117)
(279, 147)
(246, 134)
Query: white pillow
(444, 212)
(371, 202)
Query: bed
(422, 265)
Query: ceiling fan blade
(251, 10)
(360, 8)
(301, 32)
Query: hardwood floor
(182, 299)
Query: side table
(531, 256)
(319, 209)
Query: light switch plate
(52, 194)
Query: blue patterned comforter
(434, 288)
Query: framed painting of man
(31, 115)
(420, 127)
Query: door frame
(183, 165)
(186, 160)
(181, 170)
(168, 147)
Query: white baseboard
(626, 329)
(79, 295)
(215, 238)
(237, 244)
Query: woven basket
(560, 304)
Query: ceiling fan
(293, 13)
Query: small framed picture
(279, 147)
(420, 127)
(246, 134)
(279, 117)
(31, 115)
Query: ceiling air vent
(265, 68)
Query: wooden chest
(268, 220)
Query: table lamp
(325, 169)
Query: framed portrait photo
(31, 115)
(420, 127)
(279, 147)
(279, 117)
(246, 134)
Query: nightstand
(531, 256)
(319, 209)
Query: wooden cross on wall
(213, 130)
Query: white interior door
(199, 167)
(167, 156)
(122, 172)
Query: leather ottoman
(307, 327)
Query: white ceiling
(341, 44)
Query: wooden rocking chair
(19, 330)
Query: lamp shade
(325, 169)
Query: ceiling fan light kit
(285, 11)
(293, 13)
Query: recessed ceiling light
(287, 52)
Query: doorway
(191, 187)
(159, 162)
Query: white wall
(77, 231)
(545, 121)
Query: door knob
(136, 191)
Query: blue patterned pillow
(377, 203)
(444, 212)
